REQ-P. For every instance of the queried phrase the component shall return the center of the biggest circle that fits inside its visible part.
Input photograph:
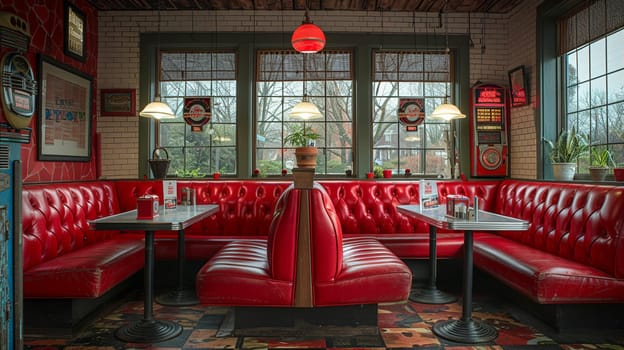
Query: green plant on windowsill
(565, 152)
(190, 173)
(378, 171)
(303, 138)
(568, 147)
(601, 157)
(601, 160)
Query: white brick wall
(522, 51)
(118, 62)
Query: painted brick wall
(522, 33)
(118, 63)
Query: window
(424, 76)
(283, 78)
(594, 75)
(199, 74)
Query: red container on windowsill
(618, 173)
(387, 173)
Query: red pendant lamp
(308, 37)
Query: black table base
(186, 297)
(180, 296)
(431, 296)
(465, 331)
(148, 331)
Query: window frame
(247, 43)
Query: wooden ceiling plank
(486, 6)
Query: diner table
(148, 329)
(466, 329)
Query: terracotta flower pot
(306, 157)
(598, 173)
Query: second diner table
(466, 329)
(148, 329)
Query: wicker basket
(159, 166)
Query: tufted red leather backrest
(325, 236)
(580, 222)
(282, 240)
(55, 217)
(369, 207)
(245, 206)
(129, 190)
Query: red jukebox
(489, 120)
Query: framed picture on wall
(518, 87)
(75, 29)
(118, 102)
(64, 121)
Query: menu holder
(428, 192)
(170, 199)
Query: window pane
(615, 83)
(171, 134)
(583, 96)
(384, 109)
(338, 135)
(598, 126)
(598, 92)
(598, 64)
(615, 51)
(437, 163)
(411, 88)
(571, 91)
(617, 151)
(338, 108)
(616, 123)
(385, 88)
(583, 64)
(572, 70)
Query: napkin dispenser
(457, 206)
(147, 207)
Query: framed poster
(518, 87)
(64, 121)
(118, 102)
(75, 29)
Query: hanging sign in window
(411, 112)
(196, 112)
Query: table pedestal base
(431, 296)
(148, 331)
(465, 331)
(185, 297)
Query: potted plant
(601, 159)
(378, 171)
(303, 138)
(564, 153)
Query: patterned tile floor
(400, 326)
